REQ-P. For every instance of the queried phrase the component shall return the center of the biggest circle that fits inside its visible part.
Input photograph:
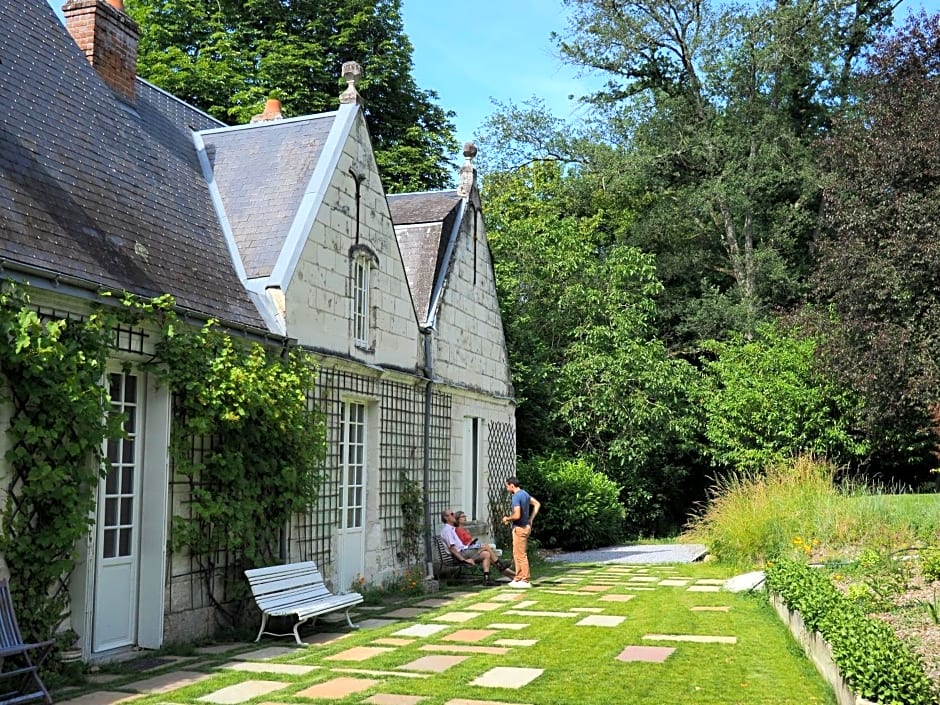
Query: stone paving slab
(537, 613)
(101, 697)
(673, 582)
(434, 602)
(292, 669)
(464, 649)
(407, 612)
(697, 638)
(324, 637)
(710, 581)
(375, 672)
(269, 652)
(102, 678)
(456, 617)
(240, 692)
(359, 653)
(421, 630)
(594, 588)
(507, 677)
(649, 654)
(392, 699)
(600, 620)
(469, 635)
(516, 642)
(507, 625)
(464, 701)
(393, 641)
(370, 608)
(525, 603)
(337, 688)
(506, 597)
(643, 579)
(485, 606)
(703, 588)
(434, 664)
(217, 648)
(593, 610)
(167, 682)
(376, 623)
(707, 608)
(566, 592)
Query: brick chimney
(108, 37)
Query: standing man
(521, 514)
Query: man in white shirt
(462, 552)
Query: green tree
(767, 400)
(879, 258)
(578, 309)
(227, 57)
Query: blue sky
(474, 53)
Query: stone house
(281, 231)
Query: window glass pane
(125, 547)
(127, 481)
(114, 385)
(110, 511)
(128, 455)
(111, 483)
(130, 421)
(130, 389)
(114, 451)
(358, 519)
(110, 540)
(127, 509)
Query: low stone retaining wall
(819, 652)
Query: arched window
(363, 261)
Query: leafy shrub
(580, 506)
(876, 664)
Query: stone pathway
(430, 641)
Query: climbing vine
(52, 373)
(261, 462)
(249, 443)
(411, 499)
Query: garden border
(818, 651)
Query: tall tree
(879, 258)
(713, 112)
(228, 56)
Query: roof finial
(468, 175)
(352, 72)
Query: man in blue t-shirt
(522, 513)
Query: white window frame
(362, 282)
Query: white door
(117, 546)
(351, 536)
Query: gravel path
(656, 553)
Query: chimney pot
(272, 111)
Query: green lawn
(580, 666)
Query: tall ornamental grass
(799, 508)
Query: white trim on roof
(179, 100)
(438, 291)
(268, 123)
(262, 301)
(313, 196)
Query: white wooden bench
(296, 589)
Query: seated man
(467, 555)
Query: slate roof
(423, 224)
(94, 189)
(262, 172)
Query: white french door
(352, 505)
(117, 559)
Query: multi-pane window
(361, 273)
(118, 499)
(354, 464)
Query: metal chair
(19, 677)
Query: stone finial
(468, 174)
(352, 72)
(272, 111)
